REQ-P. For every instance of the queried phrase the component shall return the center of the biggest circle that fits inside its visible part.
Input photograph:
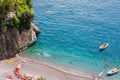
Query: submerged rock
(45, 54)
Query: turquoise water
(73, 30)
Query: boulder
(35, 28)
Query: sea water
(73, 30)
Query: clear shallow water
(73, 30)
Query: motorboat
(112, 71)
(103, 46)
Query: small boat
(112, 71)
(10, 60)
(101, 73)
(103, 46)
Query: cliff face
(11, 42)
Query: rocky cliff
(12, 42)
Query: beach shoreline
(43, 69)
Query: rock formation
(12, 42)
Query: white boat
(113, 71)
(103, 46)
(101, 73)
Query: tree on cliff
(16, 13)
(29, 3)
(26, 19)
(5, 7)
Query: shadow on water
(111, 74)
(101, 50)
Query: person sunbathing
(29, 77)
(17, 71)
(26, 76)
(10, 77)
(18, 66)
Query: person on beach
(17, 70)
(25, 76)
(10, 77)
(94, 77)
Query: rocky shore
(12, 41)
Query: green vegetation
(41, 78)
(16, 13)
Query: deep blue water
(73, 30)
